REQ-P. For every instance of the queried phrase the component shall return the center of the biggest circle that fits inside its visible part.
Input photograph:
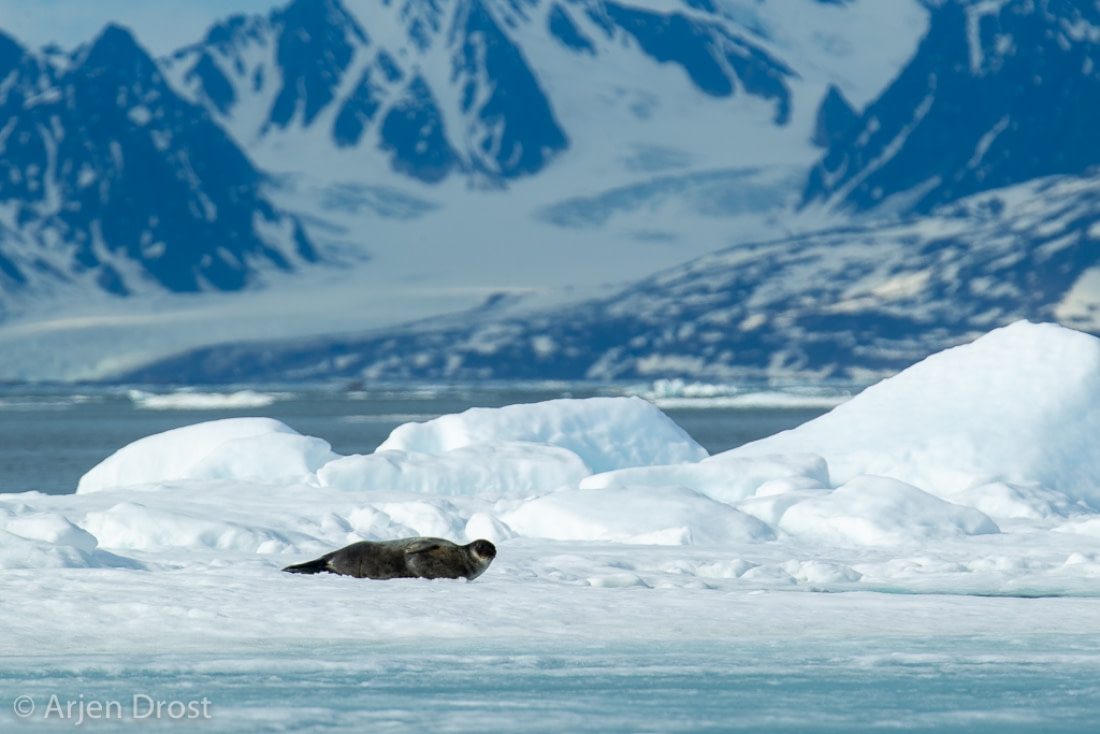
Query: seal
(429, 558)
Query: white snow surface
(233, 448)
(972, 473)
(606, 433)
(1019, 408)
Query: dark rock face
(835, 118)
(562, 27)
(315, 44)
(109, 171)
(993, 97)
(707, 53)
(784, 310)
(413, 132)
(504, 126)
(513, 130)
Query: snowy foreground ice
(640, 585)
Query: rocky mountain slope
(113, 182)
(465, 161)
(850, 304)
(971, 201)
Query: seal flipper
(319, 565)
(423, 545)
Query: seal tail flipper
(319, 565)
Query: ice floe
(974, 471)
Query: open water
(1045, 683)
(49, 437)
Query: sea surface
(49, 437)
(1045, 683)
(811, 678)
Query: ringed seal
(429, 558)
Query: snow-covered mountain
(434, 89)
(972, 168)
(465, 161)
(998, 93)
(847, 304)
(111, 181)
(431, 156)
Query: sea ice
(973, 472)
(239, 448)
(606, 433)
(489, 470)
(1019, 407)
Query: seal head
(429, 558)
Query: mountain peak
(10, 51)
(317, 19)
(316, 42)
(116, 58)
(113, 43)
(116, 181)
(835, 117)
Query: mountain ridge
(487, 153)
(111, 177)
(447, 88)
(961, 227)
(768, 312)
(997, 94)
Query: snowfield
(964, 486)
(973, 471)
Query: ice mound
(879, 511)
(649, 516)
(606, 433)
(1017, 408)
(498, 469)
(725, 477)
(30, 539)
(133, 526)
(233, 448)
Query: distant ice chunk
(606, 433)
(43, 539)
(134, 526)
(484, 525)
(19, 552)
(432, 519)
(255, 449)
(192, 400)
(50, 528)
(678, 393)
(1014, 502)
